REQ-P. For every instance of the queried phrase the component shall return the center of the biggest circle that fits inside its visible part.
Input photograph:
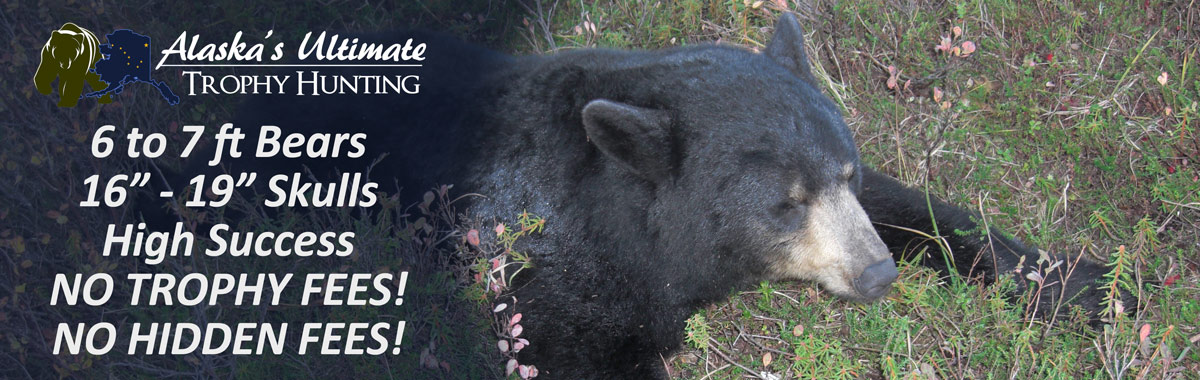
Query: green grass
(1055, 130)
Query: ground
(1071, 126)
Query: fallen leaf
(957, 31)
(1171, 280)
(1162, 78)
(968, 47)
(473, 237)
(500, 308)
(499, 229)
(937, 94)
(516, 330)
(766, 359)
(1144, 332)
(798, 330)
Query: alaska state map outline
(127, 59)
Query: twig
(717, 349)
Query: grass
(1056, 130)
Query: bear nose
(875, 281)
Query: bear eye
(791, 206)
(790, 212)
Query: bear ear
(787, 48)
(635, 137)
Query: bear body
(69, 56)
(668, 179)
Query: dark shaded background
(48, 152)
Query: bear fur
(668, 178)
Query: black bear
(669, 178)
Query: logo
(74, 56)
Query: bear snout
(876, 279)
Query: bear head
(743, 151)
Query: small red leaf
(968, 47)
(516, 330)
(515, 318)
(944, 45)
(510, 366)
(1171, 280)
(473, 237)
(1145, 332)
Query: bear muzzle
(876, 279)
